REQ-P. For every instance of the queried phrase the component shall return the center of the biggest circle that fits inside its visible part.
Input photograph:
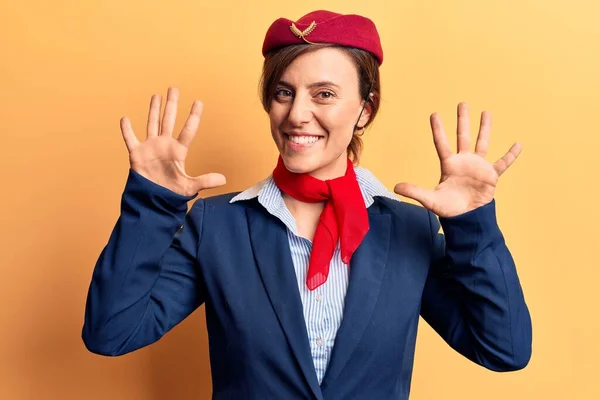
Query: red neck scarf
(344, 217)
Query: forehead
(328, 64)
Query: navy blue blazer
(162, 262)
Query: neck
(333, 170)
(305, 214)
(301, 208)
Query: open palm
(161, 157)
(467, 179)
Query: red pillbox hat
(325, 27)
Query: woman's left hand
(467, 180)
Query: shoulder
(402, 209)
(410, 224)
(378, 196)
(221, 204)
(215, 215)
(220, 200)
(408, 215)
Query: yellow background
(69, 70)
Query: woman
(313, 279)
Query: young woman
(313, 279)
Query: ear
(366, 114)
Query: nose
(301, 111)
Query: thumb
(417, 193)
(209, 181)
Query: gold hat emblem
(306, 32)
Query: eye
(326, 94)
(283, 93)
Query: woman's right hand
(161, 158)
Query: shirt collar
(267, 191)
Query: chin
(314, 165)
(300, 164)
(317, 161)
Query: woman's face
(313, 113)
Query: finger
(209, 181)
(168, 121)
(463, 139)
(439, 137)
(131, 140)
(191, 124)
(152, 128)
(502, 164)
(417, 193)
(483, 138)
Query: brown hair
(278, 60)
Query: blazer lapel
(271, 248)
(366, 272)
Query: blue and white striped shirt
(323, 307)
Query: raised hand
(467, 180)
(161, 158)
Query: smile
(304, 140)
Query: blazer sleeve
(472, 297)
(146, 279)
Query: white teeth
(303, 139)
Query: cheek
(276, 116)
(278, 113)
(339, 122)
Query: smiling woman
(343, 76)
(314, 279)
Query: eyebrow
(312, 85)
